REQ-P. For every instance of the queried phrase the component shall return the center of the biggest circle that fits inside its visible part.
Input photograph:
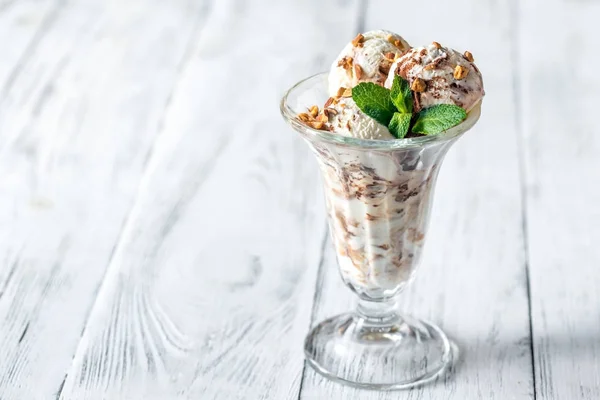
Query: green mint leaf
(399, 124)
(401, 95)
(374, 100)
(438, 118)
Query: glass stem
(378, 313)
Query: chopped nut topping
(384, 67)
(460, 72)
(418, 85)
(437, 45)
(329, 111)
(304, 117)
(390, 55)
(358, 40)
(316, 124)
(469, 56)
(309, 119)
(395, 41)
(358, 72)
(343, 92)
(328, 102)
(346, 63)
(314, 119)
(430, 66)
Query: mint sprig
(400, 124)
(394, 109)
(374, 100)
(401, 95)
(438, 118)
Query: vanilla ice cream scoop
(346, 119)
(439, 75)
(366, 59)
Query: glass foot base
(397, 355)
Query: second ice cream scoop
(439, 75)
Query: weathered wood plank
(473, 276)
(79, 112)
(560, 91)
(210, 291)
(22, 25)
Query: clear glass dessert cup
(378, 195)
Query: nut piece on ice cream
(366, 59)
(439, 75)
(347, 119)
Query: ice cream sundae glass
(380, 123)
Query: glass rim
(291, 118)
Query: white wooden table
(162, 231)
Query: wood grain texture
(210, 291)
(22, 25)
(473, 276)
(83, 92)
(560, 91)
(157, 246)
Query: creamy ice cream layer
(378, 207)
